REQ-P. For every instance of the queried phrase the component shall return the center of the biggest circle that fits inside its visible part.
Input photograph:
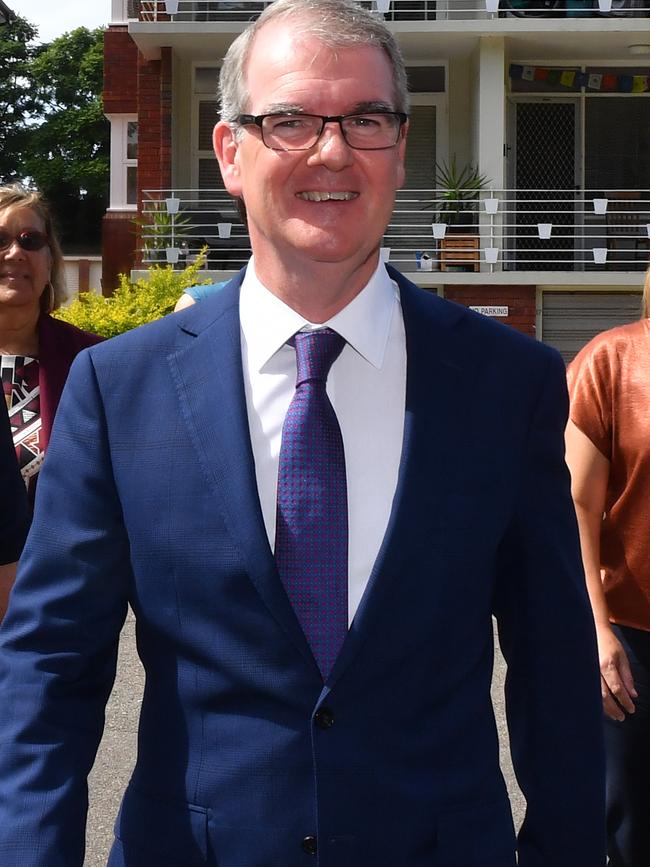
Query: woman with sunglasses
(36, 351)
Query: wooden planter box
(459, 253)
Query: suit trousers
(628, 763)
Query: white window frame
(119, 162)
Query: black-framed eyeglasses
(29, 239)
(365, 131)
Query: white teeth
(318, 196)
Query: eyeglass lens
(28, 240)
(302, 131)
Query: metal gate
(571, 319)
(545, 183)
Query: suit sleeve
(58, 646)
(547, 637)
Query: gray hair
(334, 23)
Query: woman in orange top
(608, 452)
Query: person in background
(608, 453)
(14, 512)
(36, 350)
(198, 293)
(314, 488)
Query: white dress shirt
(367, 388)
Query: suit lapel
(437, 373)
(208, 376)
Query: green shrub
(133, 304)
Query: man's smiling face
(331, 203)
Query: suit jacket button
(324, 718)
(309, 845)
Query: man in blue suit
(313, 549)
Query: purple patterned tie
(311, 536)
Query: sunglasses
(29, 239)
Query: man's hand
(616, 682)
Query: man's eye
(288, 123)
(365, 122)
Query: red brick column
(520, 301)
(155, 120)
(120, 72)
(120, 96)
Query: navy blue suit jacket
(148, 496)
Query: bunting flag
(571, 78)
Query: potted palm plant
(161, 229)
(456, 202)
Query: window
(124, 162)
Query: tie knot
(316, 352)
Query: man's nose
(331, 149)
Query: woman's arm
(589, 477)
(184, 301)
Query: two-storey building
(528, 168)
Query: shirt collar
(267, 322)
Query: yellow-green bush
(133, 304)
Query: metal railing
(496, 230)
(402, 10)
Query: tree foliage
(16, 98)
(53, 130)
(68, 155)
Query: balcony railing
(402, 10)
(501, 230)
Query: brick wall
(118, 247)
(134, 85)
(120, 72)
(520, 301)
(155, 116)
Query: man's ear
(225, 150)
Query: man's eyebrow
(284, 108)
(370, 107)
(358, 108)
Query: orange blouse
(609, 386)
